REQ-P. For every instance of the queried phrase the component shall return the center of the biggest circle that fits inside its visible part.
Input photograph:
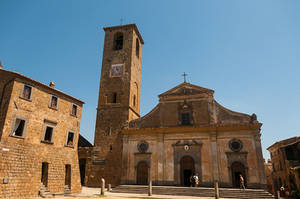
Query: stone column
(160, 158)
(150, 187)
(214, 156)
(125, 161)
(260, 160)
(102, 186)
(217, 194)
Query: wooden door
(142, 173)
(44, 176)
(68, 175)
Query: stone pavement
(88, 192)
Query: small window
(48, 134)
(118, 41)
(53, 102)
(26, 93)
(110, 147)
(70, 139)
(185, 119)
(19, 128)
(74, 110)
(137, 47)
(114, 98)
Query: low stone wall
(21, 168)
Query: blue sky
(247, 51)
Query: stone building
(187, 132)
(84, 156)
(285, 158)
(39, 128)
(268, 172)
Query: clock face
(116, 70)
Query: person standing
(196, 179)
(242, 182)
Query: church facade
(187, 132)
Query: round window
(235, 145)
(143, 146)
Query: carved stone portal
(180, 154)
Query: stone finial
(1, 65)
(52, 84)
(253, 118)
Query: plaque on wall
(186, 147)
(99, 162)
(116, 70)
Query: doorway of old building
(187, 168)
(68, 176)
(237, 169)
(82, 163)
(44, 176)
(142, 173)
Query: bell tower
(118, 102)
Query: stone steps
(44, 192)
(67, 190)
(195, 191)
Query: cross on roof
(184, 76)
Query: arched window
(118, 41)
(134, 98)
(137, 47)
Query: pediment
(186, 89)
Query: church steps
(195, 191)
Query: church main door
(142, 173)
(187, 168)
(238, 169)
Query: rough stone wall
(268, 171)
(281, 166)
(86, 154)
(21, 165)
(111, 117)
(6, 85)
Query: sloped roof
(186, 89)
(21, 76)
(82, 142)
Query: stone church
(187, 132)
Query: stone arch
(194, 151)
(118, 41)
(187, 168)
(237, 169)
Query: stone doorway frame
(182, 168)
(137, 173)
(139, 157)
(236, 182)
(237, 157)
(187, 148)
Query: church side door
(142, 173)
